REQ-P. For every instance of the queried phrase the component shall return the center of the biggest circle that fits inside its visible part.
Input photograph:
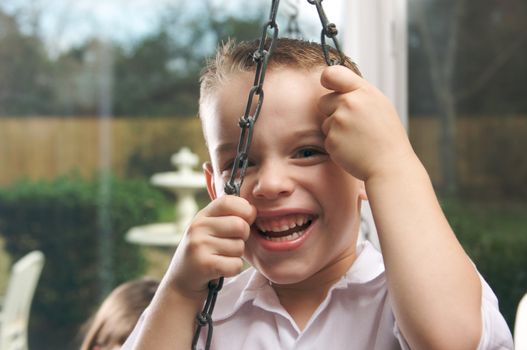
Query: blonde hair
(118, 314)
(232, 57)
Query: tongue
(286, 232)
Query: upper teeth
(282, 223)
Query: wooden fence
(488, 148)
(491, 152)
(38, 148)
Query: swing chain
(239, 167)
(246, 123)
(261, 58)
(204, 318)
(330, 31)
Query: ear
(209, 178)
(362, 191)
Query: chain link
(239, 167)
(205, 317)
(246, 123)
(330, 31)
(261, 58)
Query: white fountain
(184, 184)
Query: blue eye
(308, 152)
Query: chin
(287, 273)
(285, 280)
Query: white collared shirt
(356, 314)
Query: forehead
(286, 91)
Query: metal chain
(261, 58)
(239, 167)
(329, 30)
(205, 317)
(247, 121)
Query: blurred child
(325, 141)
(115, 319)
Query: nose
(272, 181)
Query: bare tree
(441, 26)
(442, 70)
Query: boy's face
(308, 207)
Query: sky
(65, 23)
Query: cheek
(249, 181)
(249, 252)
(340, 192)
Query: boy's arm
(211, 247)
(433, 286)
(435, 290)
(169, 321)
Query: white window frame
(375, 36)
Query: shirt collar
(367, 267)
(255, 287)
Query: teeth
(282, 224)
(291, 237)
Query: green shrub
(494, 235)
(60, 218)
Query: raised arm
(433, 286)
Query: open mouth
(285, 228)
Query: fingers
(225, 267)
(218, 256)
(340, 79)
(216, 238)
(213, 244)
(208, 244)
(344, 84)
(229, 205)
(228, 227)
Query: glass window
(468, 124)
(95, 98)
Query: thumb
(340, 79)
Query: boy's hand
(363, 132)
(212, 246)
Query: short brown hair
(232, 57)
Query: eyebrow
(308, 132)
(233, 146)
(226, 147)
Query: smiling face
(308, 207)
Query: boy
(324, 139)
